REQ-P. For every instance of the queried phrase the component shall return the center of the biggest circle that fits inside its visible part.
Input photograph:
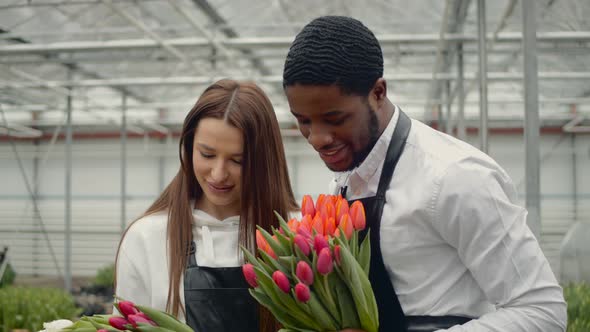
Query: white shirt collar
(359, 178)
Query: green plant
(28, 308)
(105, 277)
(7, 278)
(577, 297)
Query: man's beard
(373, 131)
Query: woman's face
(217, 162)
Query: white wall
(96, 188)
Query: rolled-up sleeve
(475, 213)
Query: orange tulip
(320, 202)
(357, 214)
(307, 223)
(307, 206)
(346, 226)
(330, 226)
(318, 224)
(341, 208)
(293, 225)
(263, 245)
(328, 210)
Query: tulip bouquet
(312, 274)
(134, 318)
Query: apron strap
(391, 315)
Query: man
(450, 248)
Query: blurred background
(93, 94)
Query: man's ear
(379, 93)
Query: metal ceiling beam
(279, 42)
(192, 80)
(454, 17)
(229, 32)
(76, 68)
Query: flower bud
(250, 275)
(304, 273)
(302, 292)
(127, 308)
(325, 264)
(136, 319)
(307, 207)
(118, 322)
(282, 281)
(319, 243)
(302, 244)
(357, 215)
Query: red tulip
(127, 308)
(302, 292)
(136, 319)
(304, 273)
(307, 207)
(102, 330)
(250, 275)
(337, 256)
(302, 244)
(319, 243)
(324, 264)
(357, 214)
(281, 280)
(118, 322)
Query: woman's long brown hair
(265, 178)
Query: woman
(183, 254)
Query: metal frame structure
(137, 66)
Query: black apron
(391, 315)
(217, 299)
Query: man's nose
(319, 137)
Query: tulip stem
(328, 291)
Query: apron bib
(391, 315)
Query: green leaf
(276, 247)
(346, 306)
(364, 257)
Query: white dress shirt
(142, 266)
(453, 239)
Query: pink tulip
(302, 243)
(302, 292)
(118, 322)
(127, 308)
(307, 207)
(281, 280)
(304, 273)
(136, 319)
(357, 214)
(324, 264)
(250, 275)
(102, 330)
(337, 256)
(319, 243)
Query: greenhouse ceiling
(153, 58)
